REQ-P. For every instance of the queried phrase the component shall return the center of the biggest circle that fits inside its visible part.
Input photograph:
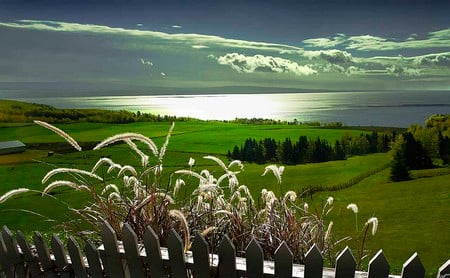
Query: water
(397, 109)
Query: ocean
(382, 108)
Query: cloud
(199, 46)
(177, 26)
(163, 74)
(192, 39)
(147, 63)
(139, 24)
(397, 70)
(437, 39)
(440, 59)
(333, 56)
(260, 63)
(326, 42)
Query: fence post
(112, 263)
(44, 255)
(227, 258)
(153, 250)
(176, 255)
(132, 254)
(254, 259)
(413, 268)
(76, 258)
(93, 258)
(61, 263)
(313, 263)
(283, 261)
(444, 270)
(17, 268)
(378, 266)
(200, 253)
(31, 261)
(345, 264)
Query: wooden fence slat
(444, 270)
(153, 250)
(32, 263)
(283, 261)
(15, 258)
(61, 263)
(254, 259)
(176, 255)
(200, 253)
(112, 263)
(227, 258)
(345, 264)
(378, 266)
(413, 268)
(5, 264)
(313, 263)
(93, 258)
(76, 258)
(44, 255)
(132, 254)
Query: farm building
(7, 147)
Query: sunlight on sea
(397, 109)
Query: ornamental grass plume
(12, 193)
(374, 222)
(353, 207)
(61, 133)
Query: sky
(152, 47)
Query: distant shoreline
(377, 108)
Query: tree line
(421, 147)
(306, 150)
(24, 112)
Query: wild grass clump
(217, 204)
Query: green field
(413, 215)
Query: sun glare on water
(225, 107)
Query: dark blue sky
(356, 44)
(280, 21)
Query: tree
(399, 167)
(415, 154)
(444, 148)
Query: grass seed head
(12, 193)
(374, 222)
(353, 207)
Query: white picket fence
(127, 258)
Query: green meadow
(413, 215)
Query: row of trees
(29, 112)
(306, 150)
(419, 146)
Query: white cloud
(333, 56)
(326, 42)
(439, 59)
(397, 70)
(139, 25)
(437, 39)
(177, 26)
(260, 63)
(163, 74)
(147, 63)
(192, 39)
(199, 46)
